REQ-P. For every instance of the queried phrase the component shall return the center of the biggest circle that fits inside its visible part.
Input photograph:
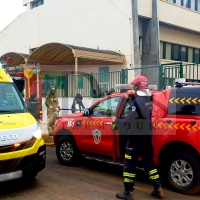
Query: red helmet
(140, 82)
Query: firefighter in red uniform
(138, 127)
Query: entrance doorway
(20, 84)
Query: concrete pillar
(136, 51)
(151, 45)
(76, 65)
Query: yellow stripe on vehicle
(17, 154)
(18, 120)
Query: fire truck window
(184, 101)
(127, 108)
(106, 107)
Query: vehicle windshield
(10, 101)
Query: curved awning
(64, 54)
(17, 59)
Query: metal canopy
(64, 54)
(17, 58)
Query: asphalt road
(89, 181)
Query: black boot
(125, 195)
(158, 193)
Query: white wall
(179, 37)
(88, 23)
(93, 23)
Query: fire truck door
(97, 134)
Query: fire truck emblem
(96, 135)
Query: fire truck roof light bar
(180, 82)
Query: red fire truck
(176, 134)
(27, 83)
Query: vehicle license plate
(10, 176)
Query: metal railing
(89, 85)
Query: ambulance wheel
(182, 172)
(67, 151)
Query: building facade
(105, 25)
(93, 26)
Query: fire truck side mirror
(86, 112)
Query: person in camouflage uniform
(53, 108)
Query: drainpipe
(134, 5)
(37, 76)
(76, 74)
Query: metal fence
(89, 85)
(191, 72)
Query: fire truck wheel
(183, 172)
(67, 151)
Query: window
(184, 108)
(127, 107)
(192, 4)
(106, 108)
(178, 2)
(37, 3)
(179, 53)
(175, 52)
(186, 3)
(161, 50)
(184, 54)
(168, 51)
(196, 56)
(190, 55)
(198, 5)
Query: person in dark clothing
(138, 127)
(32, 105)
(102, 93)
(112, 91)
(78, 99)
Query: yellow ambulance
(22, 149)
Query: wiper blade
(6, 111)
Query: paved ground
(89, 181)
